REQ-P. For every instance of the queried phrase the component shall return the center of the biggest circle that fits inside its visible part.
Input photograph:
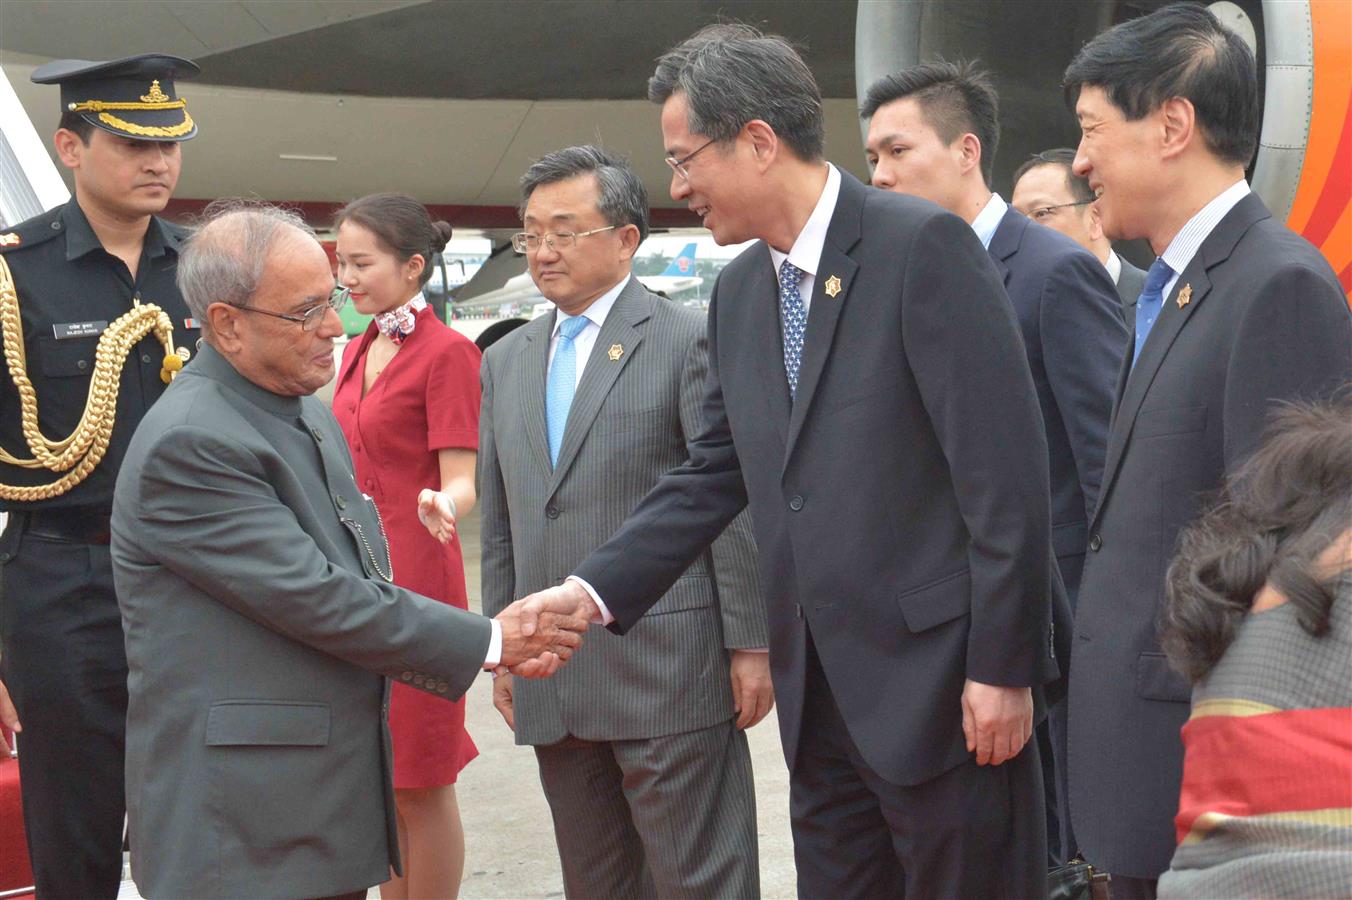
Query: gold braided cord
(162, 131)
(101, 105)
(83, 449)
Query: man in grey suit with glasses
(640, 743)
(256, 593)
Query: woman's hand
(436, 510)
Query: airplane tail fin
(683, 264)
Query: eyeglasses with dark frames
(528, 242)
(1042, 212)
(309, 319)
(678, 165)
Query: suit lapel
(1005, 242)
(824, 312)
(632, 307)
(1133, 388)
(534, 364)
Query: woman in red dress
(407, 398)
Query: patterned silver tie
(793, 315)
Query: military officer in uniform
(95, 273)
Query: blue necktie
(1151, 302)
(794, 316)
(562, 383)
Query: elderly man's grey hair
(732, 73)
(623, 200)
(224, 259)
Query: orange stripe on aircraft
(1324, 194)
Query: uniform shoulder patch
(31, 232)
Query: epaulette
(34, 231)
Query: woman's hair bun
(441, 236)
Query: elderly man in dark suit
(640, 743)
(932, 132)
(258, 601)
(1047, 190)
(869, 397)
(1237, 315)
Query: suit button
(340, 501)
(145, 358)
(1095, 543)
(796, 503)
(418, 680)
(407, 676)
(82, 365)
(443, 687)
(552, 511)
(318, 435)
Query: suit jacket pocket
(268, 723)
(1155, 680)
(689, 592)
(938, 602)
(1174, 420)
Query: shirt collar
(1189, 239)
(599, 309)
(1114, 266)
(806, 252)
(81, 239)
(988, 220)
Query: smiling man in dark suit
(868, 396)
(1237, 314)
(933, 131)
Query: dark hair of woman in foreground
(1276, 515)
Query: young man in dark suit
(932, 133)
(1237, 315)
(869, 397)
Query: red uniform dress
(426, 399)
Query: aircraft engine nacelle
(1303, 168)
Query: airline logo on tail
(683, 264)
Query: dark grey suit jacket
(900, 503)
(258, 631)
(1072, 331)
(1130, 283)
(634, 411)
(1266, 321)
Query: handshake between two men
(541, 632)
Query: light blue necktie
(562, 383)
(1151, 302)
(794, 316)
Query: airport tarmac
(509, 837)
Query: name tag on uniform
(64, 331)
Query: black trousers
(972, 832)
(65, 665)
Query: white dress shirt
(1114, 266)
(1189, 239)
(586, 338)
(806, 252)
(988, 220)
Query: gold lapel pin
(832, 286)
(615, 352)
(1184, 296)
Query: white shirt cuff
(494, 645)
(606, 617)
